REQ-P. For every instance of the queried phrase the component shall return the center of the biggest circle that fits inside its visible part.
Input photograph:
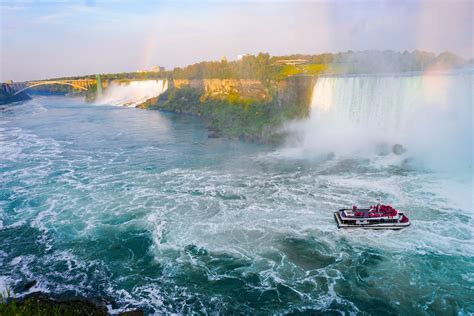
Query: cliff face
(218, 88)
(250, 110)
(290, 90)
(296, 91)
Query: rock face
(288, 91)
(398, 149)
(296, 90)
(217, 88)
(25, 286)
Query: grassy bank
(41, 304)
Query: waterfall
(383, 103)
(132, 93)
(429, 114)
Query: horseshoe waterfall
(429, 114)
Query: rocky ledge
(39, 303)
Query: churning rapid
(132, 93)
(142, 209)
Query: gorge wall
(218, 88)
(293, 89)
(250, 110)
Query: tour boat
(375, 217)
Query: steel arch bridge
(83, 84)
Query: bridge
(11, 88)
(81, 84)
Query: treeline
(265, 67)
(394, 62)
(259, 67)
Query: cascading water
(132, 93)
(429, 114)
(368, 102)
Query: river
(142, 209)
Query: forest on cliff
(265, 67)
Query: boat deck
(368, 223)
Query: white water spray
(132, 93)
(429, 114)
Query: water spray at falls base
(430, 115)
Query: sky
(46, 39)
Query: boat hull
(385, 226)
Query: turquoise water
(142, 209)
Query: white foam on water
(17, 144)
(132, 93)
(144, 296)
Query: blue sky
(43, 39)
